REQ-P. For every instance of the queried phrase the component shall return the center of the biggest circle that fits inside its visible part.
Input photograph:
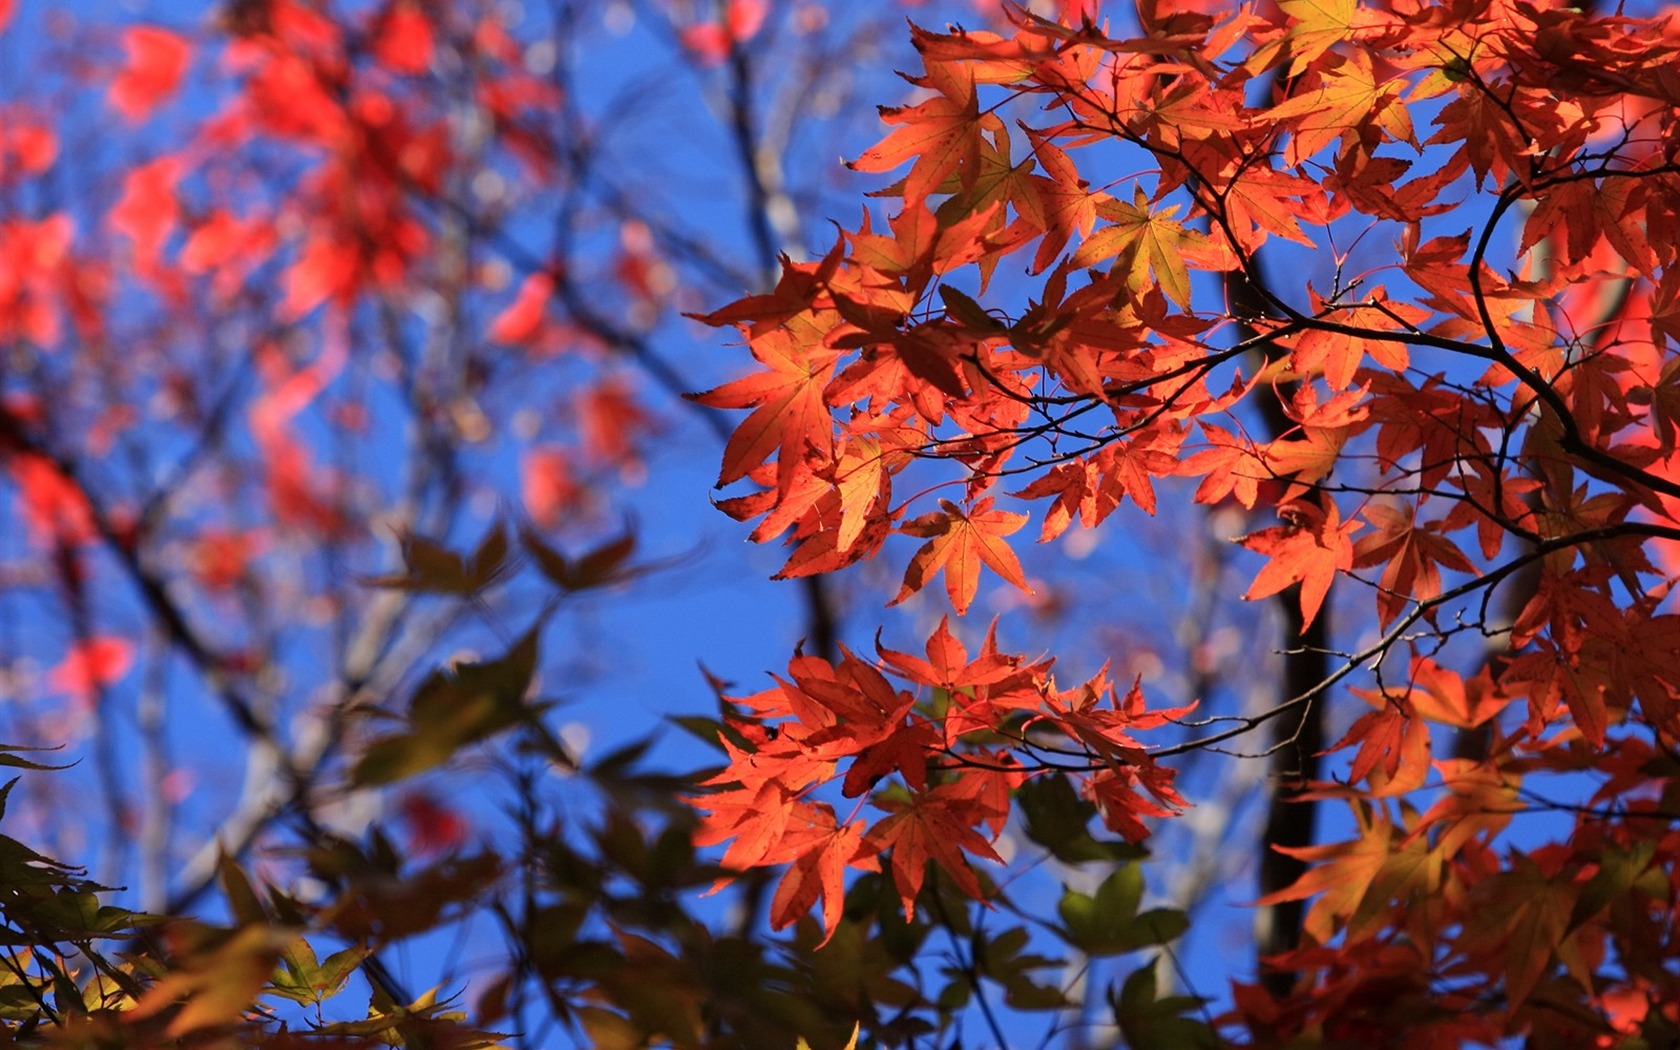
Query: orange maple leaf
(1319, 25)
(1480, 799)
(789, 412)
(1145, 242)
(1309, 550)
(941, 136)
(1358, 878)
(1306, 461)
(1443, 695)
(959, 543)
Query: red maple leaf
(789, 415)
(523, 318)
(1411, 555)
(959, 543)
(402, 39)
(937, 825)
(817, 874)
(90, 666)
(156, 61)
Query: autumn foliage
(338, 361)
(1472, 388)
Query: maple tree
(339, 355)
(336, 360)
(1456, 418)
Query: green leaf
(598, 567)
(8, 757)
(1099, 925)
(1618, 871)
(393, 758)
(708, 731)
(334, 974)
(242, 899)
(431, 568)
(452, 709)
(1149, 1023)
(1059, 820)
(1155, 927)
(1003, 960)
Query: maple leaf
(1263, 200)
(939, 137)
(1355, 880)
(1059, 204)
(1480, 800)
(91, 666)
(1318, 25)
(157, 60)
(789, 414)
(947, 665)
(1114, 789)
(1078, 491)
(325, 268)
(403, 39)
(905, 750)
(1309, 550)
(522, 319)
(994, 58)
(55, 510)
(978, 690)
(433, 826)
(1522, 914)
(934, 825)
(796, 292)
(1411, 555)
(31, 146)
(609, 423)
(1547, 677)
(712, 42)
(550, 488)
(1393, 740)
(818, 538)
(764, 812)
(817, 875)
(221, 558)
(147, 213)
(1485, 136)
(959, 543)
(229, 248)
(1443, 695)
(1230, 468)
(1339, 353)
(1102, 731)
(1307, 461)
(1345, 100)
(1146, 243)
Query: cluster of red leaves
(1445, 433)
(942, 765)
(345, 112)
